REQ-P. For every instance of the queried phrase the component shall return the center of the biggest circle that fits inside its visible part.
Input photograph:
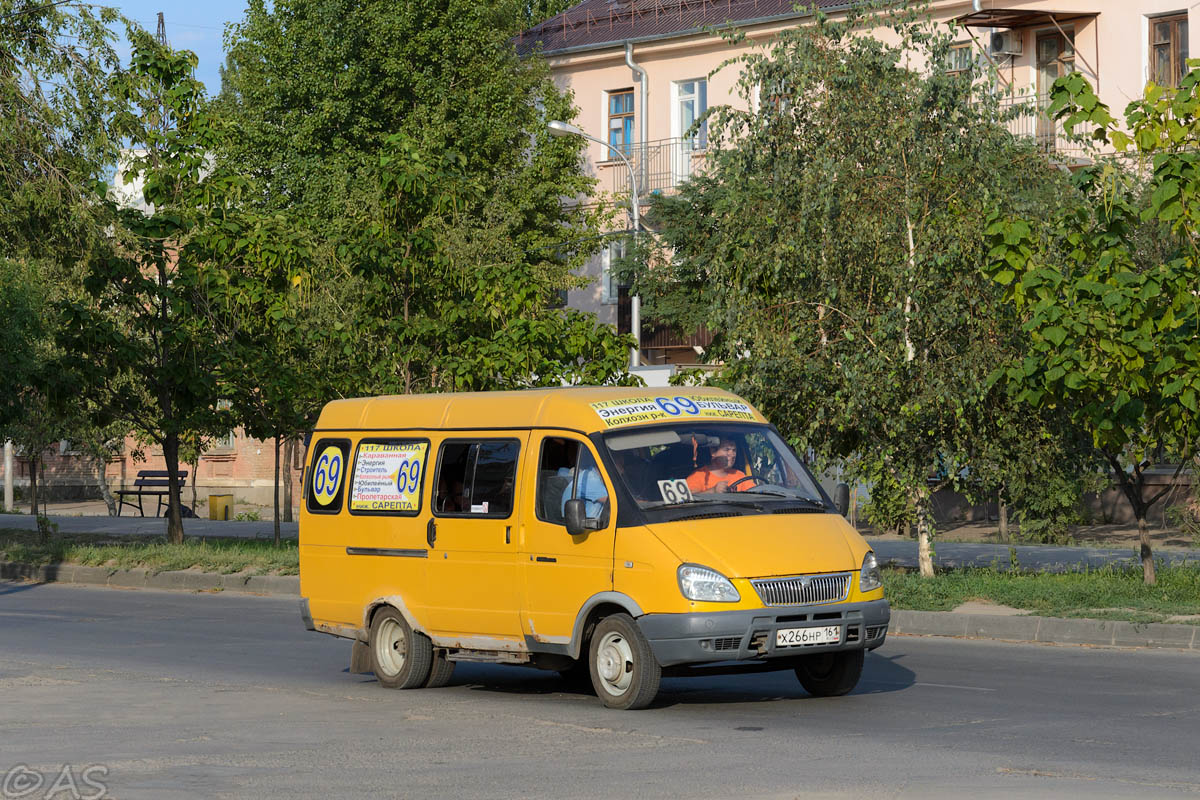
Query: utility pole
(161, 33)
(8, 477)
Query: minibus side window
(568, 470)
(326, 479)
(388, 476)
(476, 478)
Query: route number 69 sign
(327, 475)
(675, 491)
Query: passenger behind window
(588, 485)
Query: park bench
(148, 482)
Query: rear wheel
(830, 674)
(440, 672)
(400, 657)
(625, 673)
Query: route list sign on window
(387, 477)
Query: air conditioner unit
(1006, 43)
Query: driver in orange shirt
(720, 472)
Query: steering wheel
(742, 480)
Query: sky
(191, 25)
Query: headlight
(869, 578)
(701, 583)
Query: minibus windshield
(709, 463)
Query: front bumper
(749, 634)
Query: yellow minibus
(609, 533)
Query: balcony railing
(661, 166)
(654, 335)
(1026, 116)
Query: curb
(146, 579)
(1046, 630)
(1043, 630)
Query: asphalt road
(901, 553)
(171, 695)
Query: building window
(610, 258)
(1168, 49)
(692, 102)
(620, 120)
(1055, 58)
(228, 442)
(962, 58)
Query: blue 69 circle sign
(327, 475)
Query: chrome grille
(802, 589)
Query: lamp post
(559, 128)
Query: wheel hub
(610, 666)
(614, 663)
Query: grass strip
(210, 554)
(1110, 592)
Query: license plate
(793, 637)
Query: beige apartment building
(642, 71)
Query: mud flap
(360, 658)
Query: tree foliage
(54, 138)
(55, 145)
(1112, 322)
(149, 360)
(411, 140)
(853, 310)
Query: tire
(400, 658)
(624, 672)
(440, 671)
(830, 674)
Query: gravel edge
(148, 579)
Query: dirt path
(1095, 535)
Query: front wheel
(830, 674)
(400, 657)
(625, 673)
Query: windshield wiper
(737, 501)
(793, 496)
(732, 501)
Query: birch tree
(834, 244)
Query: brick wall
(245, 470)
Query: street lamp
(559, 128)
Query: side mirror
(577, 521)
(841, 498)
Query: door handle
(508, 534)
(431, 531)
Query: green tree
(138, 330)
(411, 141)
(55, 143)
(55, 140)
(254, 267)
(35, 410)
(834, 244)
(42, 403)
(21, 308)
(1113, 323)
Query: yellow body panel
(500, 583)
(560, 571)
